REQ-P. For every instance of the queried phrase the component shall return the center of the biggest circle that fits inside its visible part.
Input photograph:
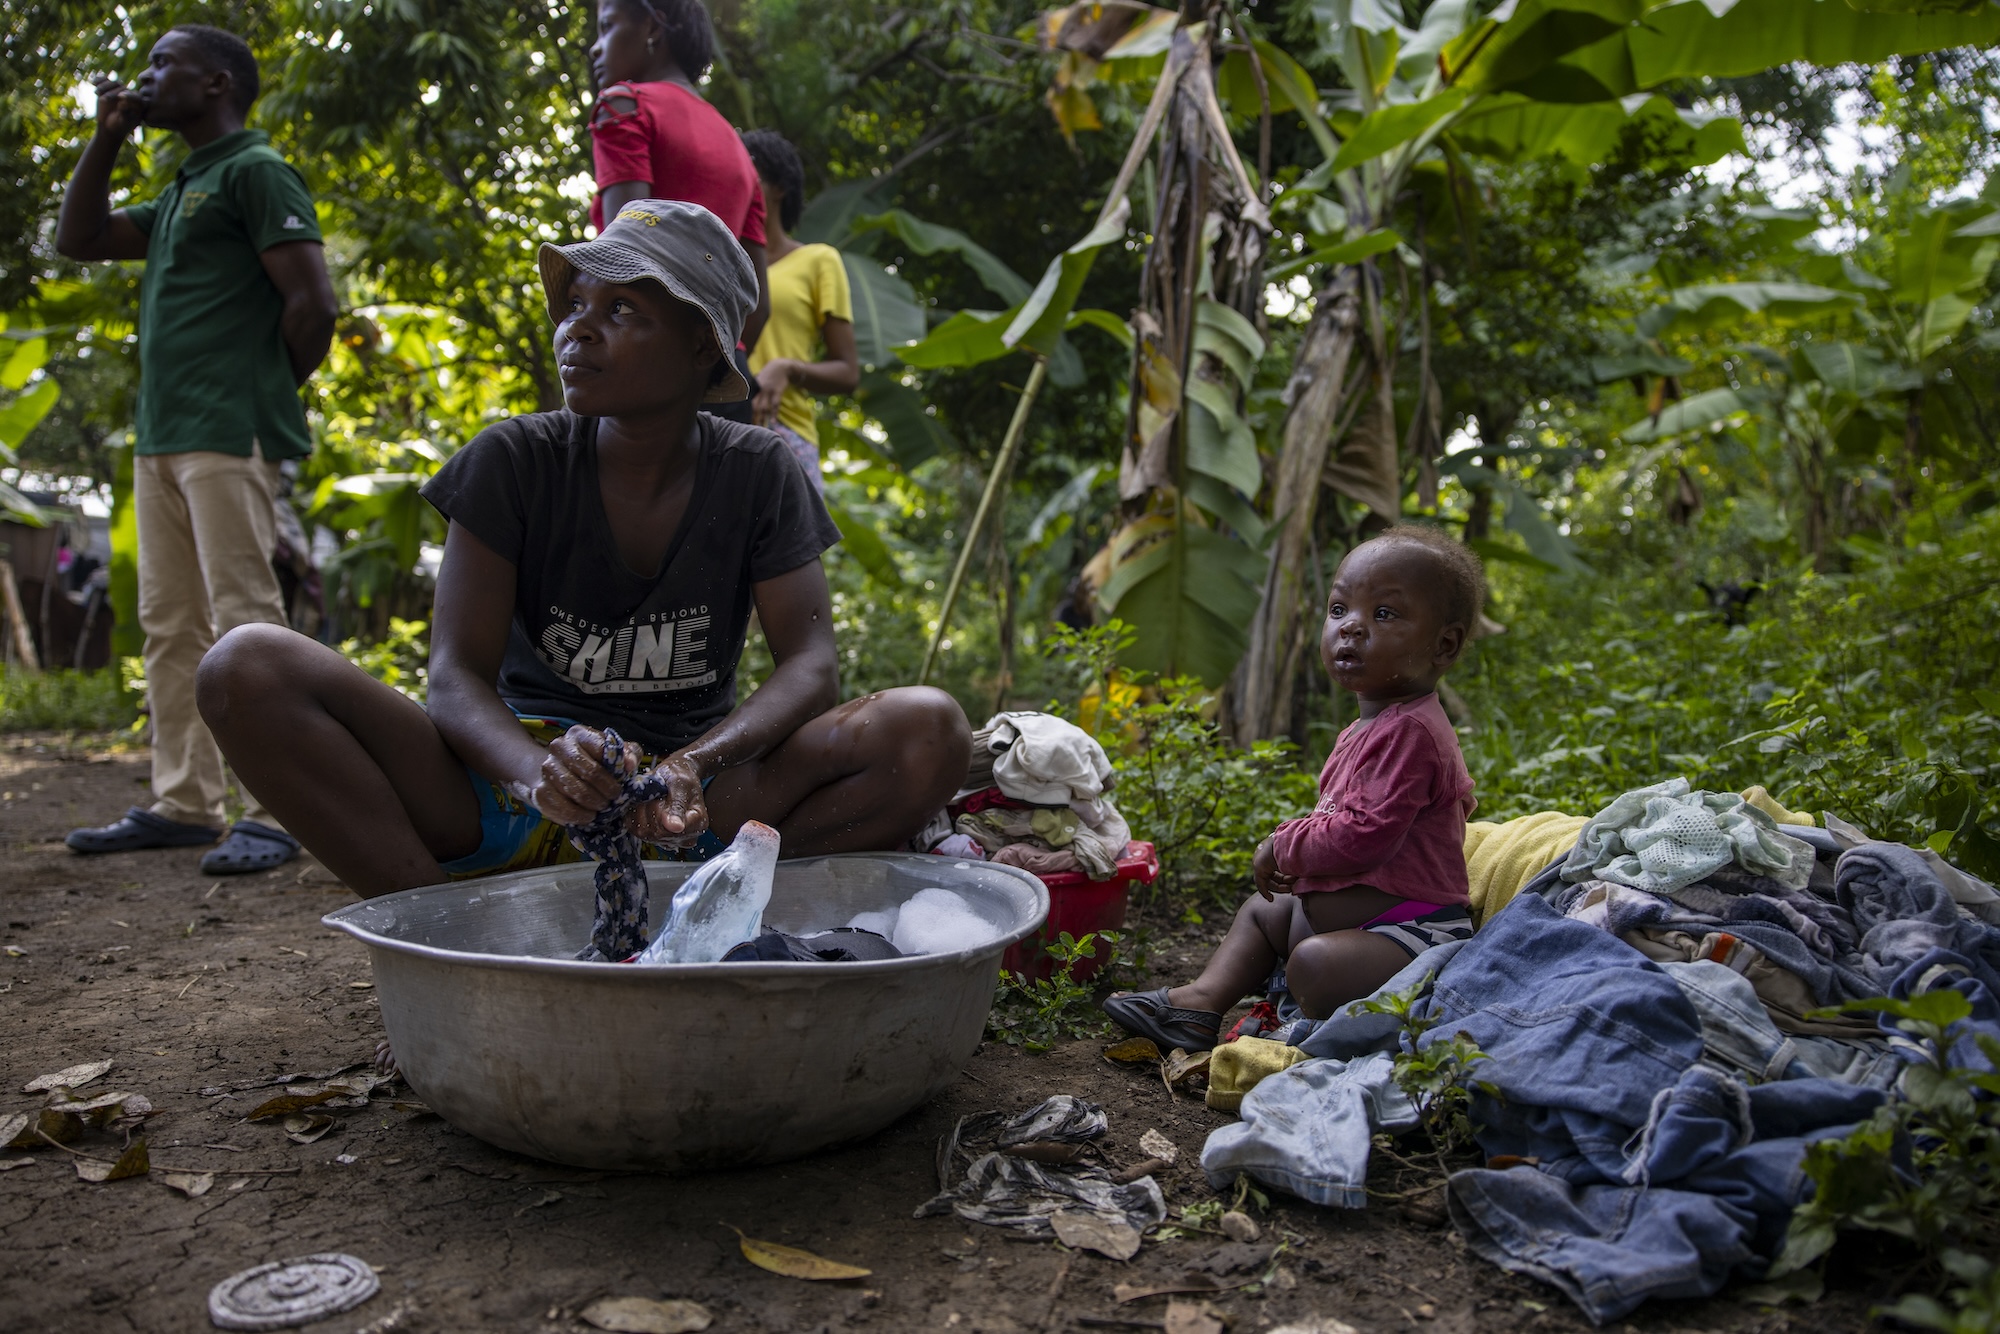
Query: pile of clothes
(1036, 798)
(1645, 1004)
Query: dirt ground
(206, 993)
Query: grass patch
(63, 700)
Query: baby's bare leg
(1256, 940)
(1327, 971)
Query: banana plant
(1450, 80)
(1830, 406)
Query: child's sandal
(1147, 1014)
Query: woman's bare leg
(352, 769)
(861, 777)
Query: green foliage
(1037, 1013)
(401, 659)
(1436, 1075)
(1202, 802)
(1864, 693)
(1924, 1168)
(63, 700)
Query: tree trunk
(1263, 686)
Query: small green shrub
(1925, 1167)
(1436, 1076)
(1037, 1013)
(400, 661)
(63, 700)
(1203, 803)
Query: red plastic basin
(1079, 905)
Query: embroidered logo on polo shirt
(192, 201)
(292, 222)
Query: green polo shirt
(214, 373)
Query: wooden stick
(1002, 464)
(17, 620)
(165, 1167)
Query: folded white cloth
(1041, 759)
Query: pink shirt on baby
(1393, 800)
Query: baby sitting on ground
(1348, 895)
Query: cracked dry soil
(193, 985)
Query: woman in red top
(653, 136)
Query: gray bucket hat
(682, 247)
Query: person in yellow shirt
(807, 347)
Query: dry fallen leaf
(792, 1262)
(1318, 1324)
(1132, 1051)
(1238, 1226)
(1193, 1281)
(307, 1127)
(1082, 1231)
(1190, 1318)
(9, 1164)
(346, 1091)
(1159, 1146)
(101, 1110)
(134, 1162)
(288, 1104)
(643, 1315)
(1181, 1068)
(25, 1130)
(190, 1184)
(74, 1077)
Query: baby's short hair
(1461, 581)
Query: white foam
(881, 923)
(937, 921)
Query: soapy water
(932, 921)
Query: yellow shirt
(808, 287)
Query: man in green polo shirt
(235, 311)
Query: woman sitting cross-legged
(600, 569)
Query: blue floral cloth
(619, 931)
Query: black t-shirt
(594, 642)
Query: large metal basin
(509, 1038)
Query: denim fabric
(1903, 912)
(1582, 1031)
(1306, 1130)
(1349, 1032)
(1738, 1035)
(1611, 1247)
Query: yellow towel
(1768, 804)
(1500, 858)
(1236, 1067)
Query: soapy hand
(1264, 865)
(677, 819)
(574, 783)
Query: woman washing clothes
(653, 136)
(599, 571)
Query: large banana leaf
(1688, 40)
(928, 238)
(862, 542)
(1511, 128)
(1697, 413)
(831, 215)
(1187, 595)
(1711, 305)
(1219, 441)
(1948, 250)
(1392, 126)
(1041, 318)
(914, 434)
(25, 413)
(29, 355)
(886, 313)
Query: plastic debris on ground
(1009, 1180)
(722, 904)
(292, 1292)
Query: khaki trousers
(206, 531)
